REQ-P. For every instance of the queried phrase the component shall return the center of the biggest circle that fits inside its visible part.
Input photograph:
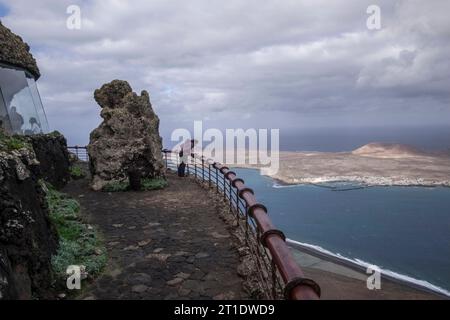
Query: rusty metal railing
(80, 152)
(279, 274)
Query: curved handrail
(296, 286)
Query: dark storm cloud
(266, 63)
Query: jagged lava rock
(14, 51)
(27, 238)
(127, 139)
(51, 152)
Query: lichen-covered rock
(15, 52)
(110, 95)
(27, 237)
(128, 138)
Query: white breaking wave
(390, 273)
(280, 186)
(332, 185)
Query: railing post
(195, 168)
(209, 174)
(224, 188)
(76, 152)
(237, 205)
(203, 169)
(231, 198)
(217, 180)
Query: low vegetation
(76, 172)
(79, 244)
(55, 133)
(9, 143)
(154, 184)
(147, 185)
(116, 186)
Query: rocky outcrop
(27, 238)
(51, 152)
(15, 52)
(128, 138)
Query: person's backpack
(181, 169)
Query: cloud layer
(259, 63)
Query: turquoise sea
(405, 230)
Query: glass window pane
(19, 102)
(4, 118)
(42, 118)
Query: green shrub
(78, 243)
(147, 184)
(81, 252)
(154, 184)
(14, 143)
(116, 186)
(55, 133)
(10, 143)
(76, 172)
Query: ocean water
(402, 229)
(430, 138)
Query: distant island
(377, 164)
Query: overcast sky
(264, 64)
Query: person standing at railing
(184, 156)
(186, 151)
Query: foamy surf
(364, 264)
(280, 186)
(334, 186)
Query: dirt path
(165, 244)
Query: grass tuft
(154, 184)
(76, 172)
(10, 143)
(116, 186)
(147, 185)
(79, 244)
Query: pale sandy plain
(372, 164)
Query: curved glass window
(38, 104)
(21, 110)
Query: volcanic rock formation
(127, 139)
(51, 152)
(15, 52)
(27, 238)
